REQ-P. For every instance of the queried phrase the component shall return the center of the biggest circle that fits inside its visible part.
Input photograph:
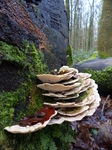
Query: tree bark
(44, 23)
(27, 29)
(67, 8)
(105, 30)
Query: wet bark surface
(43, 22)
(10, 78)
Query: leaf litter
(95, 132)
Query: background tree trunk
(105, 30)
(84, 17)
(67, 8)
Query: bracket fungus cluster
(73, 95)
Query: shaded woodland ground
(95, 132)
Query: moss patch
(81, 56)
(93, 56)
(103, 79)
(18, 81)
(55, 137)
(103, 54)
(24, 99)
(69, 55)
(28, 57)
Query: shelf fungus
(73, 96)
(36, 122)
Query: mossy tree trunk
(30, 32)
(67, 8)
(105, 30)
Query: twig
(105, 102)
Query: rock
(95, 64)
(43, 22)
(101, 70)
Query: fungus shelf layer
(73, 96)
(33, 123)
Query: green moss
(28, 57)
(14, 105)
(55, 137)
(69, 55)
(36, 100)
(82, 56)
(103, 54)
(32, 62)
(102, 78)
(93, 56)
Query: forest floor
(95, 132)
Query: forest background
(84, 20)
